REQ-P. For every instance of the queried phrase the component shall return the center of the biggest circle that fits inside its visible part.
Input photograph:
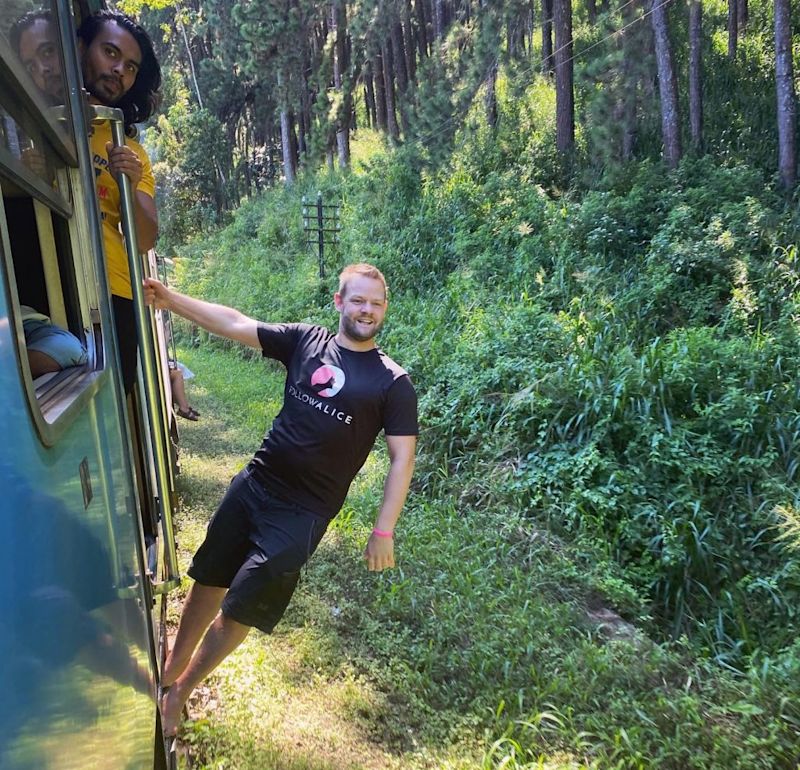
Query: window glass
(30, 50)
(59, 339)
(44, 238)
(30, 160)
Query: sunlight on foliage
(607, 359)
(789, 525)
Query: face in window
(110, 64)
(38, 51)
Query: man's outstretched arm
(217, 319)
(380, 548)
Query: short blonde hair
(361, 268)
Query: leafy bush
(622, 354)
(609, 396)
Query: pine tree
(784, 78)
(667, 84)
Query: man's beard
(351, 330)
(109, 97)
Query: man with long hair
(120, 70)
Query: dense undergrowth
(609, 385)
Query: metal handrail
(153, 403)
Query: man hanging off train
(340, 392)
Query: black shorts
(255, 547)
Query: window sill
(60, 393)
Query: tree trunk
(438, 20)
(733, 28)
(306, 118)
(380, 94)
(343, 148)
(423, 38)
(289, 170)
(339, 24)
(630, 80)
(399, 57)
(530, 23)
(293, 141)
(784, 81)
(565, 99)
(516, 28)
(547, 37)
(369, 95)
(303, 130)
(743, 15)
(388, 87)
(491, 97)
(591, 9)
(408, 42)
(191, 65)
(696, 72)
(667, 84)
(400, 72)
(248, 168)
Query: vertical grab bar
(154, 406)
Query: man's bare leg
(200, 608)
(224, 635)
(40, 363)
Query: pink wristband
(382, 533)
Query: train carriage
(87, 553)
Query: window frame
(56, 400)
(55, 122)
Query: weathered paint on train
(80, 626)
(78, 678)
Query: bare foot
(171, 707)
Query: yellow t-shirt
(108, 197)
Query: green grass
(295, 699)
(590, 570)
(485, 617)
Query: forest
(587, 215)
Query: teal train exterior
(87, 553)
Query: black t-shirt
(335, 403)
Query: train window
(30, 160)
(58, 334)
(32, 64)
(45, 245)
